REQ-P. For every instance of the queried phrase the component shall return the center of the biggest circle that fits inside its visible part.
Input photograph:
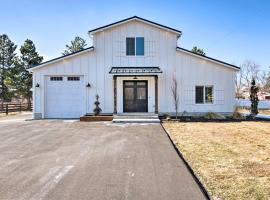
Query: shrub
(212, 115)
(237, 115)
(166, 116)
(97, 109)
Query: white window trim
(205, 103)
(135, 45)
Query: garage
(64, 96)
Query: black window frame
(56, 78)
(73, 78)
(132, 51)
(203, 98)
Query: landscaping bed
(232, 159)
(93, 118)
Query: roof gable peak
(102, 28)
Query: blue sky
(229, 30)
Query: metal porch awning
(135, 70)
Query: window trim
(204, 87)
(135, 46)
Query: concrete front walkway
(58, 159)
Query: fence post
(6, 109)
(20, 107)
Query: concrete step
(136, 118)
(136, 121)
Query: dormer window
(135, 46)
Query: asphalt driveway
(58, 159)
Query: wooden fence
(14, 107)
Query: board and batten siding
(160, 51)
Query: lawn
(261, 111)
(232, 159)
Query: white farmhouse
(131, 66)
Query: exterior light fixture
(135, 77)
(88, 85)
(37, 85)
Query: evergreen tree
(97, 109)
(254, 97)
(7, 55)
(19, 78)
(76, 45)
(198, 51)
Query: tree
(267, 83)
(175, 94)
(7, 55)
(198, 51)
(97, 109)
(254, 97)
(19, 78)
(76, 45)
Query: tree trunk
(28, 103)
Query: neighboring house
(131, 66)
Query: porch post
(156, 94)
(114, 94)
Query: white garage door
(64, 96)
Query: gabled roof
(60, 58)
(138, 19)
(208, 58)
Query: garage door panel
(64, 98)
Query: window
(203, 94)
(56, 78)
(199, 94)
(73, 78)
(208, 94)
(130, 46)
(134, 46)
(139, 46)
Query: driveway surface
(65, 159)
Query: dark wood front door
(135, 96)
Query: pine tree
(7, 56)
(76, 45)
(198, 51)
(254, 97)
(97, 109)
(19, 78)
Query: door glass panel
(141, 83)
(129, 93)
(129, 83)
(141, 93)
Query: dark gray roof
(135, 17)
(58, 58)
(234, 66)
(135, 70)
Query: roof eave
(234, 67)
(102, 28)
(60, 59)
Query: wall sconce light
(88, 85)
(37, 85)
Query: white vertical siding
(160, 50)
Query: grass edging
(195, 177)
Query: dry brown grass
(231, 159)
(265, 112)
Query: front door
(135, 96)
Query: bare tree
(239, 83)
(175, 94)
(250, 69)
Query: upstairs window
(135, 46)
(203, 94)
